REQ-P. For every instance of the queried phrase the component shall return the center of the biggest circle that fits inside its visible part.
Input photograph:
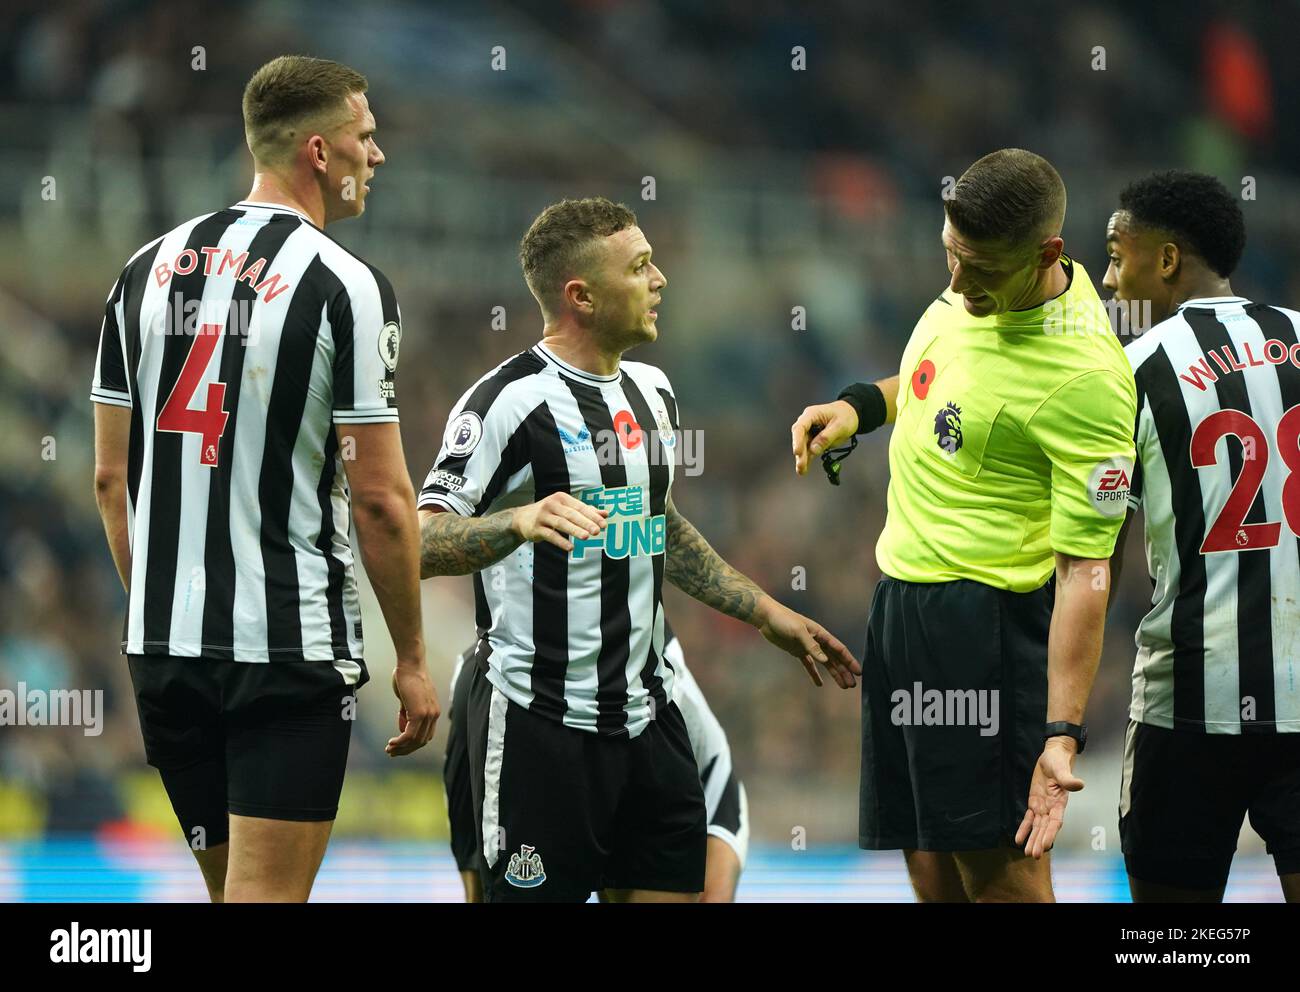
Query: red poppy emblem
(921, 379)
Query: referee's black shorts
(954, 701)
(1184, 796)
(562, 813)
(263, 740)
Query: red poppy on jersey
(921, 379)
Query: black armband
(869, 402)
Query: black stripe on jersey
(514, 456)
(284, 414)
(485, 394)
(482, 613)
(341, 324)
(218, 556)
(550, 573)
(1135, 484)
(134, 280)
(112, 363)
(165, 491)
(1157, 378)
(658, 502)
(1254, 587)
(325, 543)
(670, 401)
(615, 573)
(388, 304)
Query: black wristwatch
(1062, 729)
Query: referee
(246, 364)
(1009, 462)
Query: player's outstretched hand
(417, 716)
(810, 642)
(1049, 791)
(828, 425)
(557, 518)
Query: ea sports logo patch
(390, 339)
(464, 434)
(1108, 486)
(947, 428)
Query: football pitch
(85, 870)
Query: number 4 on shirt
(1230, 532)
(176, 416)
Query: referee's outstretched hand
(417, 716)
(1049, 791)
(827, 425)
(810, 642)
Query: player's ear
(1169, 260)
(317, 156)
(1050, 252)
(577, 295)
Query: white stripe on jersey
(1212, 355)
(496, 746)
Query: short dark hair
(290, 93)
(1008, 196)
(1195, 210)
(559, 240)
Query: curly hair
(1195, 210)
(559, 241)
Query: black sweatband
(869, 402)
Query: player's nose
(660, 280)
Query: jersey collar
(1033, 317)
(545, 353)
(277, 207)
(1211, 301)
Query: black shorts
(1184, 795)
(455, 770)
(264, 740)
(954, 702)
(563, 813)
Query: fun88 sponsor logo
(628, 533)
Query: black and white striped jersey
(578, 636)
(1218, 476)
(238, 340)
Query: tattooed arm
(697, 570)
(692, 565)
(454, 545)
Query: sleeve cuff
(447, 502)
(110, 397)
(386, 416)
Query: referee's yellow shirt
(1014, 439)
